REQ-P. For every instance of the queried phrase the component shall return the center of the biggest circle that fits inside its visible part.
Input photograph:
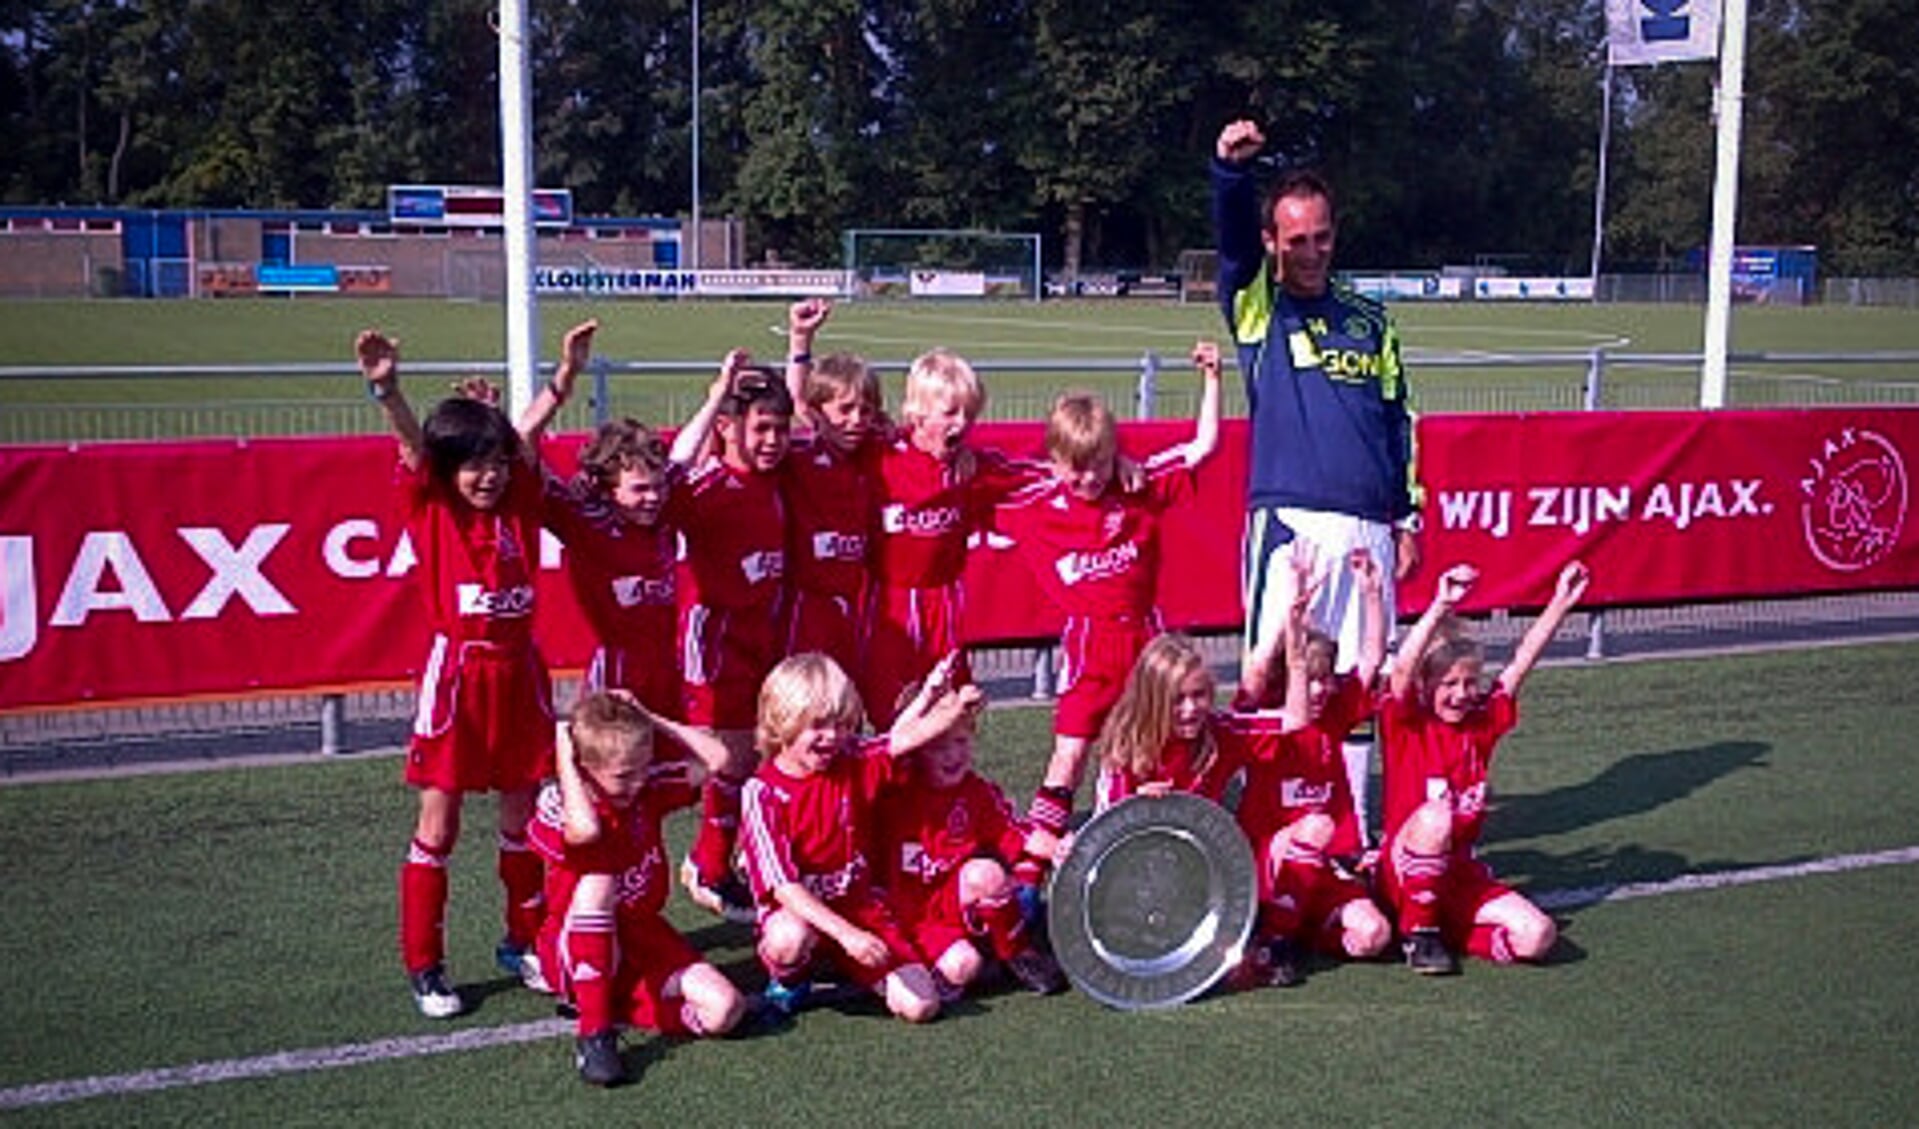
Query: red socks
(712, 852)
(422, 908)
(524, 877)
(1419, 878)
(590, 955)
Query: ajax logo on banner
(1854, 500)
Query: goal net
(933, 263)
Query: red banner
(159, 570)
(1670, 506)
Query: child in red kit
(1297, 807)
(1439, 726)
(1165, 734)
(732, 518)
(948, 840)
(831, 502)
(933, 493)
(598, 828)
(1094, 548)
(472, 508)
(809, 813)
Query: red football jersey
(927, 833)
(814, 829)
(925, 516)
(1098, 559)
(1308, 774)
(1425, 759)
(629, 846)
(830, 509)
(475, 568)
(621, 573)
(1239, 739)
(734, 526)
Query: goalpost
(942, 263)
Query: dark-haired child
(471, 505)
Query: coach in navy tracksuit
(1332, 439)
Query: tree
(1104, 88)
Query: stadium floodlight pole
(516, 167)
(1725, 204)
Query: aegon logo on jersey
(831, 546)
(768, 565)
(1470, 802)
(507, 603)
(897, 518)
(1074, 568)
(633, 591)
(1297, 793)
(635, 882)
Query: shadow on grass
(1567, 882)
(1631, 786)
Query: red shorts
(908, 630)
(649, 954)
(1096, 657)
(484, 720)
(651, 676)
(872, 912)
(932, 916)
(1466, 888)
(725, 655)
(828, 624)
(1320, 905)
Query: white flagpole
(1725, 205)
(1599, 182)
(516, 165)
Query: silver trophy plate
(1154, 903)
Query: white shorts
(1268, 574)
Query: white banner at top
(1661, 31)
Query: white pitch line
(1720, 880)
(478, 1038)
(286, 1062)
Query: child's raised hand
(730, 366)
(804, 317)
(576, 348)
(1573, 580)
(1239, 142)
(477, 388)
(1366, 571)
(1206, 359)
(379, 357)
(1454, 584)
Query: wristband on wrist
(799, 358)
(554, 391)
(382, 390)
(1411, 523)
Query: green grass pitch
(1448, 346)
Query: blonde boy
(597, 825)
(807, 820)
(1094, 548)
(933, 493)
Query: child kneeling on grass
(598, 828)
(809, 811)
(1438, 727)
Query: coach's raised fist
(1240, 142)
